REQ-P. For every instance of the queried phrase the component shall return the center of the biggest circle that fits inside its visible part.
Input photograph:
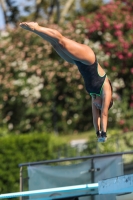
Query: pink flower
(118, 26)
(108, 53)
(97, 24)
(126, 129)
(125, 45)
(118, 33)
(110, 45)
(106, 64)
(92, 29)
(131, 70)
(114, 68)
(82, 18)
(121, 39)
(129, 55)
(131, 105)
(120, 56)
(129, 25)
(106, 24)
(122, 121)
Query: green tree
(52, 11)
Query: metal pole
(92, 175)
(21, 181)
(75, 158)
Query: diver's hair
(111, 102)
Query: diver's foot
(101, 136)
(30, 26)
(104, 136)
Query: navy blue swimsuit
(93, 81)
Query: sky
(2, 24)
(21, 4)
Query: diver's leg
(74, 50)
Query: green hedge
(18, 149)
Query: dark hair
(111, 102)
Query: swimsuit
(93, 81)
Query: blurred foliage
(90, 6)
(42, 92)
(22, 149)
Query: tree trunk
(3, 6)
(66, 8)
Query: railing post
(21, 180)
